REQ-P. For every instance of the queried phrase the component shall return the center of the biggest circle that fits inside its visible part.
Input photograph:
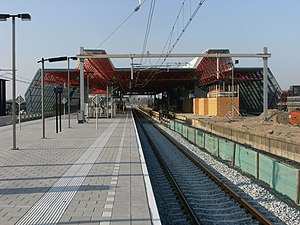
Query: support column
(80, 120)
(2, 98)
(265, 72)
(43, 99)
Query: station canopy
(99, 72)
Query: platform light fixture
(54, 59)
(23, 17)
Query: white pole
(265, 72)
(64, 110)
(97, 112)
(81, 85)
(69, 99)
(107, 102)
(43, 99)
(88, 92)
(131, 74)
(20, 114)
(14, 85)
(218, 68)
(232, 89)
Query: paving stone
(30, 172)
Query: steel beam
(183, 55)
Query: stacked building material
(293, 103)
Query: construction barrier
(172, 125)
(200, 138)
(184, 131)
(178, 127)
(211, 144)
(226, 150)
(278, 176)
(245, 159)
(191, 134)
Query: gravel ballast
(270, 205)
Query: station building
(178, 84)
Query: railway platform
(78, 176)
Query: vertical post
(131, 74)
(233, 154)
(69, 99)
(64, 111)
(232, 90)
(42, 98)
(88, 92)
(14, 85)
(265, 71)
(59, 112)
(81, 84)
(298, 187)
(97, 97)
(218, 148)
(218, 68)
(187, 133)
(257, 165)
(203, 135)
(107, 102)
(56, 112)
(20, 114)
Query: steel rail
(253, 211)
(188, 209)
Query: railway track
(203, 197)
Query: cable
(170, 37)
(9, 78)
(184, 29)
(115, 30)
(17, 76)
(150, 16)
(177, 39)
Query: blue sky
(60, 27)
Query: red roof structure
(99, 72)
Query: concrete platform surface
(79, 176)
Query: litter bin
(80, 116)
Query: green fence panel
(226, 149)
(279, 176)
(191, 134)
(245, 159)
(211, 144)
(184, 131)
(172, 125)
(200, 138)
(178, 127)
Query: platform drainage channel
(50, 208)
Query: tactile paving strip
(50, 208)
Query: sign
(64, 101)
(20, 99)
(57, 90)
(96, 99)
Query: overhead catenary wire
(21, 81)
(184, 29)
(120, 25)
(171, 35)
(17, 76)
(170, 49)
(150, 16)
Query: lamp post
(69, 98)
(24, 17)
(232, 86)
(43, 87)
